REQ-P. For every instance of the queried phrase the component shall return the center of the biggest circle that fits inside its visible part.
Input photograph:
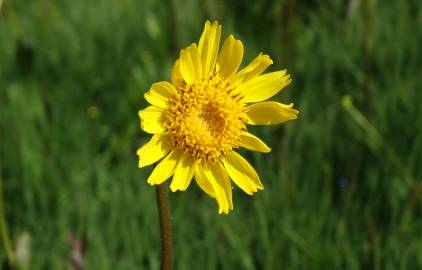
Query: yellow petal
(154, 150)
(230, 57)
(160, 93)
(152, 120)
(270, 113)
(176, 74)
(264, 86)
(242, 173)
(183, 173)
(190, 64)
(217, 176)
(208, 46)
(253, 69)
(251, 142)
(203, 182)
(164, 170)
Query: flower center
(205, 120)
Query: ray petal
(264, 86)
(219, 180)
(152, 119)
(251, 142)
(230, 57)
(183, 173)
(242, 173)
(165, 169)
(270, 113)
(160, 93)
(253, 69)
(154, 150)
(208, 45)
(190, 64)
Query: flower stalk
(165, 227)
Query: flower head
(201, 117)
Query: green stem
(165, 227)
(5, 239)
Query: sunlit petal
(160, 93)
(154, 150)
(270, 113)
(165, 169)
(251, 142)
(152, 119)
(242, 173)
(209, 44)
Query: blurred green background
(342, 184)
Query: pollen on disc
(205, 120)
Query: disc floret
(205, 119)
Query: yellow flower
(199, 118)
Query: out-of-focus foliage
(72, 77)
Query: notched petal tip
(264, 59)
(224, 211)
(270, 113)
(293, 112)
(267, 59)
(252, 70)
(208, 46)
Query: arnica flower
(200, 118)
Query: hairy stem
(165, 227)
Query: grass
(72, 78)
